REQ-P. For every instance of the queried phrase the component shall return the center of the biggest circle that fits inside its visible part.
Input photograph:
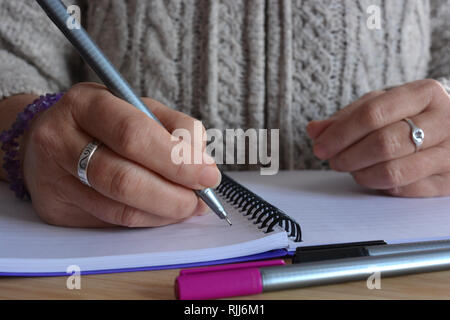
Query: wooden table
(159, 285)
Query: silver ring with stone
(417, 134)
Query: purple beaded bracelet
(11, 161)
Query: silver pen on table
(388, 260)
(94, 57)
(407, 247)
(352, 269)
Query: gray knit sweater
(237, 63)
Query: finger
(316, 128)
(405, 171)
(174, 120)
(128, 132)
(345, 112)
(434, 186)
(392, 142)
(126, 182)
(393, 106)
(108, 210)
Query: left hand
(370, 140)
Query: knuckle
(372, 116)
(339, 140)
(191, 123)
(128, 217)
(179, 171)
(131, 131)
(184, 207)
(434, 87)
(86, 94)
(72, 96)
(124, 182)
(386, 144)
(44, 139)
(391, 176)
(372, 94)
(102, 99)
(432, 84)
(75, 95)
(195, 127)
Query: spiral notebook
(271, 216)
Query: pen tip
(229, 222)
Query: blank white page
(28, 245)
(332, 208)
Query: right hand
(134, 181)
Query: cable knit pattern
(440, 49)
(318, 34)
(34, 55)
(274, 64)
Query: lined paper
(332, 208)
(29, 245)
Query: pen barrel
(208, 196)
(90, 52)
(408, 247)
(352, 269)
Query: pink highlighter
(217, 282)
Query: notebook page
(29, 245)
(332, 208)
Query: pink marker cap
(222, 281)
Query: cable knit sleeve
(440, 48)
(34, 55)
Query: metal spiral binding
(255, 208)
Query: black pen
(94, 57)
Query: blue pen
(94, 57)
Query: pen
(94, 57)
(408, 247)
(335, 271)
(250, 281)
(363, 249)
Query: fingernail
(210, 177)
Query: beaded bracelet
(11, 160)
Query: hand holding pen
(134, 182)
(118, 145)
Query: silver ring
(83, 162)
(417, 134)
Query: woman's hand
(370, 139)
(134, 181)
